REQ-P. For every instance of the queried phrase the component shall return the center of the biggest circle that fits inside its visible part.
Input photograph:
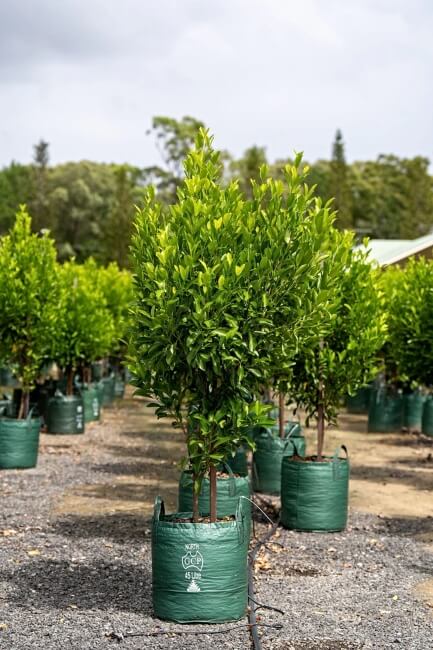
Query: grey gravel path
(67, 581)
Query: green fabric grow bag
(97, 369)
(360, 402)
(413, 406)
(238, 463)
(228, 492)
(65, 414)
(270, 449)
(119, 387)
(386, 412)
(427, 417)
(7, 378)
(315, 496)
(91, 403)
(199, 571)
(6, 407)
(19, 443)
(108, 386)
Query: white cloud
(88, 76)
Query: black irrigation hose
(252, 610)
(120, 636)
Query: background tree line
(89, 207)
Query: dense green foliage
(89, 206)
(85, 328)
(346, 357)
(226, 289)
(409, 308)
(29, 295)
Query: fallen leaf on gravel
(33, 552)
(3, 626)
(7, 532)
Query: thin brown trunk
(87, 375)
(320, 424)
(70, 381)
(194, 504)
(213, 494)
(24, 405)
(281, 413)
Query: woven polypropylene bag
(315, 495)
(229, 489)
(238, 463)
(65, 414)
(91, 403)
(385, 412)
(19, 443)
(427, 417)
(413, 406)
(269, 453)
(199, 571)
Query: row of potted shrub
(71, 314)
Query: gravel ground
(69, 580)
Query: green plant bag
(427, 417)
(228, 492)
(119, 387)
(7, 378)
(97, 371)
(6, 407)
(108, 390)
(238, 463)
(360, 402)
(91, 403)
(19, 442)
(386, 412)
(199, 571)
(413, 406)
(315, 496)
(267, 458)
(65, 414)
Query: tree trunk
(87, 375)
(213, 494)
(24, 405)
(281, 413)
(320, 423)
(69, 381)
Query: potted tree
(84, 332)
(116, 285)
(314, 490)
(219, 290)
(29, 295)
(409, 307)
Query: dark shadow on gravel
(404, 526)
(64, 585)
(407, 440)
(120, 528)
(150, 468)
(419, 480)
(148, 451)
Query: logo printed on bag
(192, 563)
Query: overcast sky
(88, 75)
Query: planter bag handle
(295, 448)
(232, 480)
(289, 433)
(335, 459)
(58, 393)
(158, 512)
(241, 518)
